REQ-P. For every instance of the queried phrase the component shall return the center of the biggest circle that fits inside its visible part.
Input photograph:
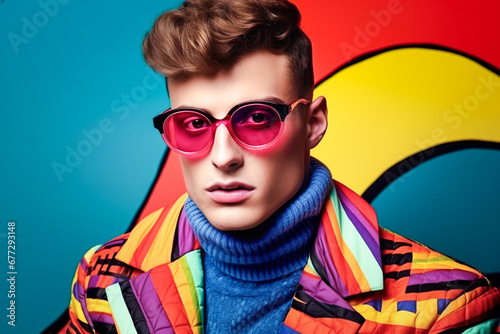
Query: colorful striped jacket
(359, 279)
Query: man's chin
(234, 219)
(234, 226)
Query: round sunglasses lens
(187, 131)
(256, 124)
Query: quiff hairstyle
(204, 37)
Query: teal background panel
(78, 147)
(449, 203)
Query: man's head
(238, 186)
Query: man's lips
(229, 186)
(228, 193)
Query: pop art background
(413, 90)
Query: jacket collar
(346, 254)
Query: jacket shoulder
(429, 290)
(103, 261)
(89, 309)
(401, 254)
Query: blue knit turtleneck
(250, 277)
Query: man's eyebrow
(272, 99)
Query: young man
(264, 241)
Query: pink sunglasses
(253, 125)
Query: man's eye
(194, 123)
(257, 117)
(197, 123)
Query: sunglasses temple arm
(302, 100)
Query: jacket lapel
(162, 300)
(169, 294)
(345, 261)
(159, 238)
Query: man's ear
(317, 122)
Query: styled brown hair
(203, 37)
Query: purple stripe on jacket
(105, 318)
(320, 291)
(117, 242)
(150, 304)
(359, 216)
(366, 234)
(185, 233)
(323, 252)
(441, 276)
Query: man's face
(236, 188)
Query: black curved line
(374, 53)
(57, 324)
(404, 166)
(159, 171)
(494, 278)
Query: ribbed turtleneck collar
(276, 247)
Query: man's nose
(226, 154)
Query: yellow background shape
(397, 103)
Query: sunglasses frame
(282, 109)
